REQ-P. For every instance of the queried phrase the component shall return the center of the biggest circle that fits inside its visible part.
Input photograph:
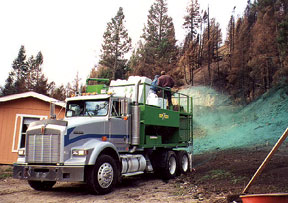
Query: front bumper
(49, 173)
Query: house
(16, 113)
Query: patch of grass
(5, 175)
(6, 171)
(220, 174)
(238, 179)
(216, 175)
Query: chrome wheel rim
(185, 163)
(172, 165)
(105, 175)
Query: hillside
(219, 124)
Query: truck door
(119, 124)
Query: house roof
(32, 94)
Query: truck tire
(182, 162)
(103, 175)
(41, 185)
(170, 165)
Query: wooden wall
(10, 123)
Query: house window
(22, 122)
(25, 123)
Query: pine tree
(116, 44)
(59, 93)
(189, 61)
(100, 71)
(239, 78)
(192, 20)
(20, 68)
(9, 88)
(216, 40)
(282, 39)
(230, 41)
(43, 86)
(208, 47)
(159, 51)
(35, 79)
(26, 75)
(264, 52)
(30, 77)
(137, 61)
(190, 56)
(37, 68)
(15, 83)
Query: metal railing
(183, 102)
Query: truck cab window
(87, 108)
(119, 108)
(74, 109)
(116, 109)
(96, 108)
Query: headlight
(79, 152)
(21, 152)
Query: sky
(69, 33)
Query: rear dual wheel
(183, 162)
(170, 166)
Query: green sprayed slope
(218, 124)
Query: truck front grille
(43, 148)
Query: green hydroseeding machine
(113, 131)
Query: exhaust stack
(136, 118)
(52, 111)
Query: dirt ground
(215, 179)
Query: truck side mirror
(124, 107)
(52, 111)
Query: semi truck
(109, 132)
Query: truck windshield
(87, 108)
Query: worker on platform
(166, 82)
(154, 83)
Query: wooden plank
(267, 159)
